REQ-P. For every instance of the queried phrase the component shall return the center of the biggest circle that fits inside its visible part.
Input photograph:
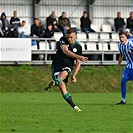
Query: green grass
(41, 112)
(28, 78)
(47, 112)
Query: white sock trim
(75, 107)
(124, 100)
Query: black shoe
(121, 103)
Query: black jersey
(63, 60)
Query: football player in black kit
(68, 51)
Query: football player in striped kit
(126, 50)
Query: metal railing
(47, 53)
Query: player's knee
(63, 74)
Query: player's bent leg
(68, 97)
(57, 81)
(60, 78)
(63, 75)
(52, 83)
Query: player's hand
(54, 22)
(83, 59)
(74, 79)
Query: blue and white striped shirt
(127, 51)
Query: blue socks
(123, 89)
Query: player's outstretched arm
(76, 69)
(119, 62)
(67, 52)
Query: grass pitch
(47, 112)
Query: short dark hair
(49, 24)
(36, 19)
(23, 21)
(63, 12)
(71, 30)
(85, 12)
(122, 33)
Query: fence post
(46, 55)
(102, 52)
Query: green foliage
(27, 78)
(48, 112)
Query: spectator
(36, 29)
(86, 23)
(5, 22)
(52, 20)
(1, 31)
(23, 31)
(119, 22)
(14, 24)
(64, 23)
(128, 33)
(130, 22)
(49, 32)
(15, 21)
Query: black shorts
(56, 70)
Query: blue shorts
(128, 74)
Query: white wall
(73, 8)
(23, 8)
(108, 9)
